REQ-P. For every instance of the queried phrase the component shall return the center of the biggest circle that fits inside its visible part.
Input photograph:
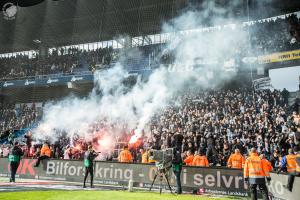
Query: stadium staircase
(293, 96)
(294, 101)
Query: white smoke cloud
(199, 59)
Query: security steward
(200, 160)
(236, 160)
(255, 174)
(177, 168)
(266, 162)
(45, 154)
(189, 159)
(145, 157)
(289, 162)
(14, 158)
(125, 156)
(89, 157)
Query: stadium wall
(202, 180)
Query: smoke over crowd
(200, 59)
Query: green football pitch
(95, 195)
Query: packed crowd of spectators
(265, 37)
(14, 118)
(214, 123)
(276, 35)
(58, 62)
(218, 122)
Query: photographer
(177, 167)
(14, 159)
(89, 157)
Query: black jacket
(90, 155)
(17, 151)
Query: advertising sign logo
(49, 81)
(6, 84)
(27, 82)
(76, 79)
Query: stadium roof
(65, 22)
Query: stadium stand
(99, 81)
(266, 37)
(215, 122)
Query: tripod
(162, 173)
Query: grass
(95, 195)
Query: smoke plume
(203, 59)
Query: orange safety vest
(200, 161)
(297, 166)
(145, 157)
(268, 164)
(189, 160)
(236, 161)
(125, 156)
(291, 163)
(254, 167)
(46, 151)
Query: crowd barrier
(206, 180)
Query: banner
(262, 84)
(55, 80)
(47, 81)
(279, 57)
(207, 180)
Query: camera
(163, 158)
